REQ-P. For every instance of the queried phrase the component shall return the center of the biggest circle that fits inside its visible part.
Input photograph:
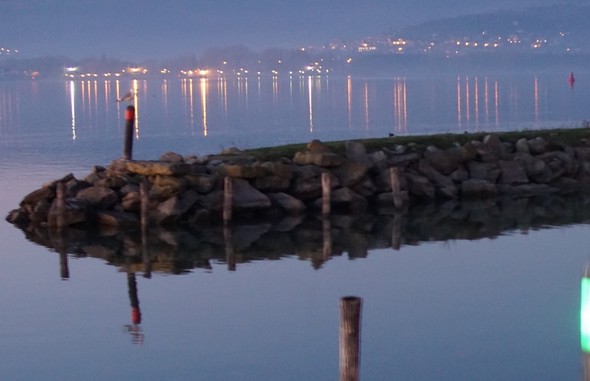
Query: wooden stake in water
(228, 195)
(350, 337)
(129, 121)
(326, 193)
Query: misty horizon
(140, 30)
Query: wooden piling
(350, 334)
(228, 195)
(326, 193)
(394, 176)
(128, 144)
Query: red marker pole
(129, 120)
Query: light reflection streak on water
(486, 100)
(204, 85)
(107, 98)
(536, 99)
(73, 107)
(349, 100)
(459, 120)
(497, 104)
(400, 107)
(310, 102)
(135, 89)
(476, 102)
(366, 105)
(191, 105)
(467, 103)
(165, 99)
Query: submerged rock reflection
(181, 250)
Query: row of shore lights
(73, 72)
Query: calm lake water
(505, 307)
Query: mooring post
(350, 335)
(394, 176)
(326, 193)
(129, 121)
(228, 195)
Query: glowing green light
(585, 315)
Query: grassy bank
(566, 136)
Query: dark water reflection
(181, 249)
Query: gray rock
(116, 219)
(420, 186)
(513, 172)
(248, 197)
(484, 171)
(98, 197)
(317, 146)
(172, 157)
(538, 145)
(522, 146)
(321, 159)
(287, 203)
(478, 188)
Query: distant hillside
(568, 24)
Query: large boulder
(245, 196)
(321, 159)
(287, 203)
(98, 197)
(478, 188)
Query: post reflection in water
(134, 329)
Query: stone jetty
(190, 190)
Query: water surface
(505, 307)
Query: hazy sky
(137, 29)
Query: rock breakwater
(190, 190)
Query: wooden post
(326, 193)
(394, 175)
(228, 195)
(129, 121)
(60, 206)
(350, 334)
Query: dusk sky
(139, 29)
